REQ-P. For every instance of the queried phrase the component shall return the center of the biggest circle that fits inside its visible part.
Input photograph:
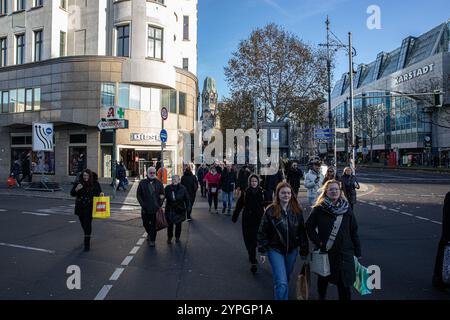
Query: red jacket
(212, 179)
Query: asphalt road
(399, 219)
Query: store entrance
(137, 162)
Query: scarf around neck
(340, 208)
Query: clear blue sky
(223, 23)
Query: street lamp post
(352, 111)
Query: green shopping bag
(362, 274)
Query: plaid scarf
(340, 208)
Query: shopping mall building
(66, 62)
(414, 127)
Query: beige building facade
(71, 76)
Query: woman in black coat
(445, 241)
(349, 186)
(253, 201)
(85, 190)
(177, 206)
(328, 207)
(190, 182)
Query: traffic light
(437, 98)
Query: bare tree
(370, 121)
(284, 75)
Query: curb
(411, 169)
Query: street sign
(164, 113)
(112, 124)
(42, 136)
(342, 130)
(326, 130)
(163, 135)
(113, 113)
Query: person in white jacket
(313, 182)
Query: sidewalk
(127, 197)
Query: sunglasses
(151, 172)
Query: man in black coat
(438, 282)
(150, 194)
(190, 182)
(201, 173)
(244, 174)
(177, 206)
(227, 185)
(26, 167)
(293, 177)
(270, 182)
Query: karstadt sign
(415, 73)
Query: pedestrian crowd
(274, 223)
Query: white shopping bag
(446, 265)
(320, 263)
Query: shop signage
(144, 137)
(415, 73)
(115, 113)
(42, 136)
(112, 124)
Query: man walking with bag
(150, 194)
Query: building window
(20, 49)
(185, 27)
(28, 99)
(77, 163)
(169, 99)
(182, 103)
(124, 95)
(5, 101)
(123, 41)
(38, 45)
(62, 44)
(3, 7)
(155, 42)
(108, 94)
(135, 97)
(3, 51)
(38, 3)
(186, 63)
(37, 99)
(62, 4)
(20, 5)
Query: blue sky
(223, 23)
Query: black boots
(87, 243)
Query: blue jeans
(282, 267)
(227, 197)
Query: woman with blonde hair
(281, 236)
(333, 217)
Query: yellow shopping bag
(100, 208)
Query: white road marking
(103, 292)
(36, 213)
(116, 274)
(394, 210)
(145, 234)
(127, 260)
(27, 248)
(134, 250)
(406, 214)
(422, 218)
(3, 210)
(140, 241)
(437, 222)
(382, 207)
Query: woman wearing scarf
(328, 207)
(85, 190)
(281, 237)
(253, 201)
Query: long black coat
(85, 199)
(270, 182)
(227, 180)
(243, 176)
(293, 178)
(445, 239)
(349, 184)
(149, 198)
(345, 247)
(190, 182)
(177, 203)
